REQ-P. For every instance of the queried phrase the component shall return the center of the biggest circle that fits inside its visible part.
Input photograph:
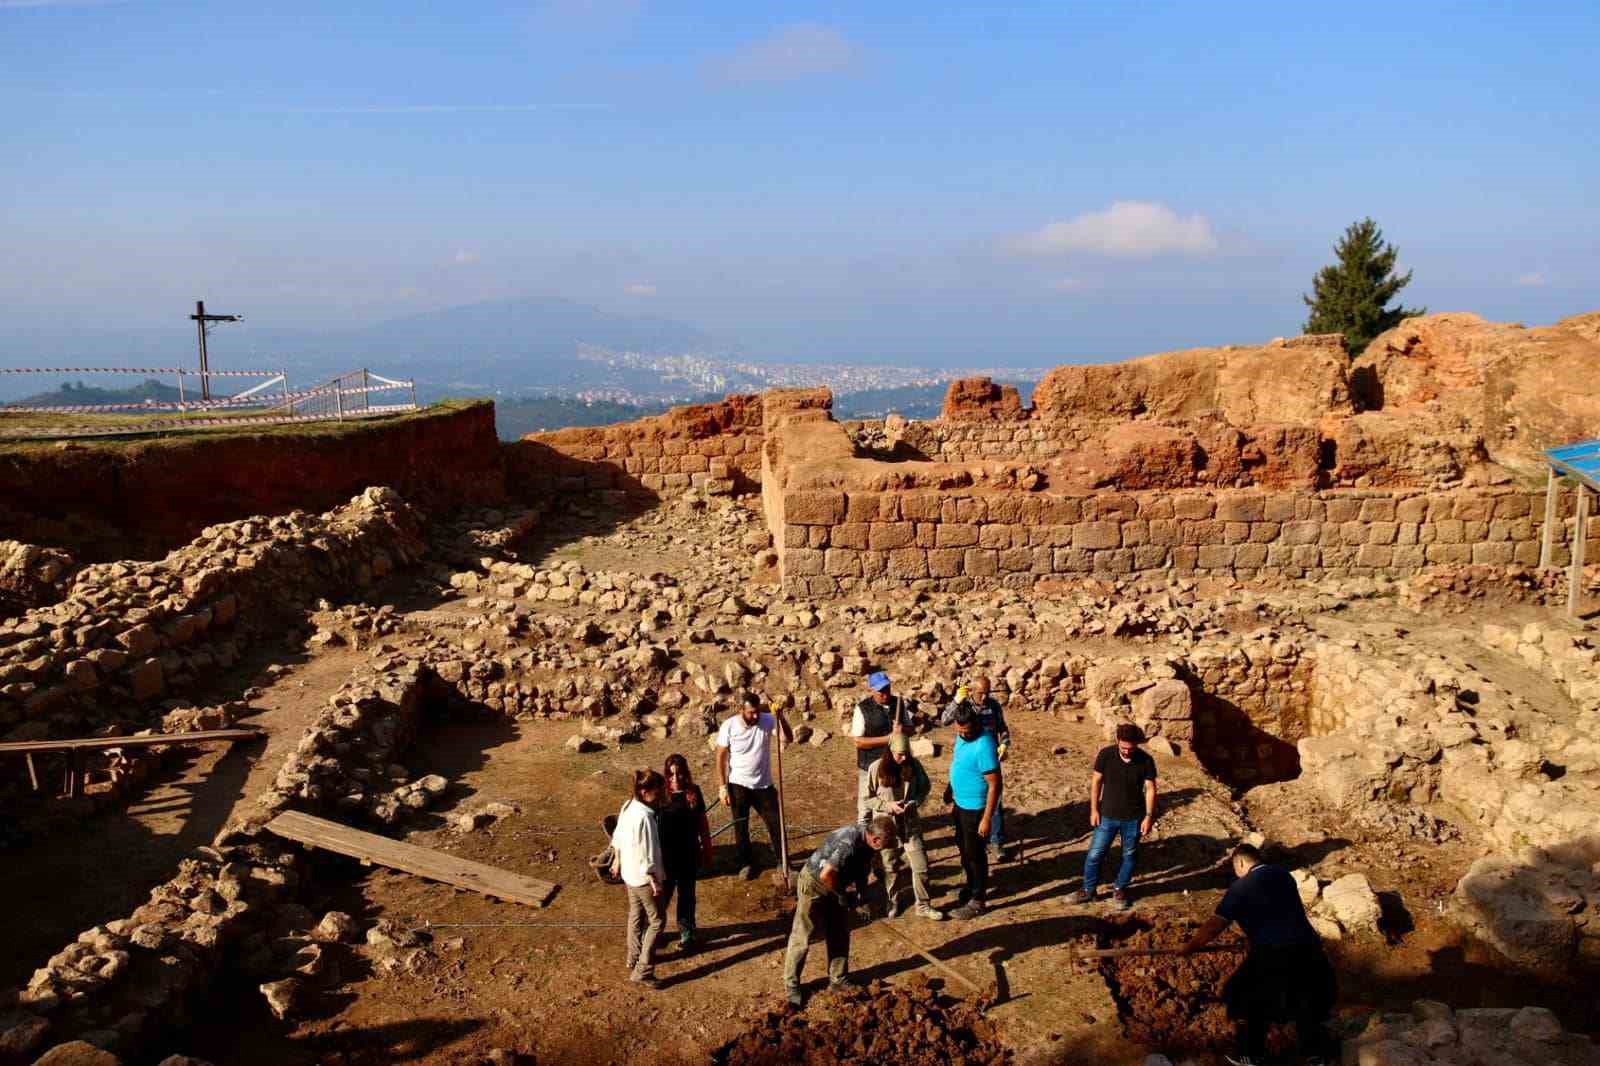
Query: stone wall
(31, 576)
(130, 634)
(832, 540)
(140, 499)
(715, 448)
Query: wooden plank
(42, 747)
(1547, 540)
(409, 858)
(1580, 521)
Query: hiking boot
(933, 914)
(1080, 897)
(796, 1000)
(748, 873)
(967, 911)
(1120, 900)
(652, 983)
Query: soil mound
(911, 1023)
(1168, 1002)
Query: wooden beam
(1547, 542)
(1580, 519)
(408, 858)
(46, 747)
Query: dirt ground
(550, 983)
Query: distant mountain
(75, 393)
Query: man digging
(1286, 976)
(832, 883)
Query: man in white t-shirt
(744, 766)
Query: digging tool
(943, 967)
(782, 874)
(1123, 953)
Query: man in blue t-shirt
(972, 794)
(1286, 976)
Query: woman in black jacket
(685, 842)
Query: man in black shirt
(831, 884)
(1122, 802)
(1286, 976)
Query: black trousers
(765, 801)
(974, 853)
(681, 882)
(1292, 984)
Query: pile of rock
(1434, 1033)
(123, 985)
(1540, 909)
(130, 633)
(31, 576)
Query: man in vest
(878, 716)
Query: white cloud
(1131, 228)
(1068, 285)
(639, 289)
(1530, 281)
(464, 258)
(800, 50)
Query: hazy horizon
(894, 185)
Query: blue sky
(874, 182)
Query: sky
(886, 182)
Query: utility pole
(200, 319)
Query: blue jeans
(996, 827)
(1100, 843)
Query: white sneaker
(933, 914)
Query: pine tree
(1351, 296)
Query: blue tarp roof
(1581, 460)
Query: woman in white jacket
(639, 863)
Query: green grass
(176, 435)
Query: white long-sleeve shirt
(638, 844)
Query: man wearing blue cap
(879, 715)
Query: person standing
(898, 786)
(879, 715)
(973, 793)
(685, 842)
(1122, 802)
(833, 883)
(744, 766)
(1286, 975)
(637, 842)
(993, 719)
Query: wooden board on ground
(409, 858)
(150, 740)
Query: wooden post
(338, 396)
(1547, 543)
(1580, 516)
(33, 773)
(783, 826)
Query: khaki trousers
(646, 919)
(816, 909)
(912, 853)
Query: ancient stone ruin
(1329, 592)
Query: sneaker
(933, 914)
(748, 873)
(652, 983)
(1120, 900)
(796, 1000)
(847, 981)
(686, 940)
(967, 911)
(1081, 897)
(996, 853)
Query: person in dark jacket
(685, 842)
(1286, 976)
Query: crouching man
(832, 883)
(1286, 976)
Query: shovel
(780, 876)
